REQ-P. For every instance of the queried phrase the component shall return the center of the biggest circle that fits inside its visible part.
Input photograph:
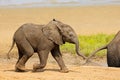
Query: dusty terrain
(85, 21)
(77, 72)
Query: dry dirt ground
(91, 71)
(85, 20)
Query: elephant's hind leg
(20, 53)
(113, 60)
(26, 51)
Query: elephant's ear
(52, 32)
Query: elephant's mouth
(63, 40)
(67, 40)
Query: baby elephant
(42, 39)
(113, 52)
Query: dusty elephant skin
(113, 52)
(43, 39)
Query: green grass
(89, 43)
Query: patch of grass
(89, 43)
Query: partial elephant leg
(58, 57)
(25, 52)
(112, 60)
(20, 53)
(20, 66)
(43, 56)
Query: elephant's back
(31, 32)
(31, 26)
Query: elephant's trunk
(78, 51)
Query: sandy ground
(85, 21)
(76, 72)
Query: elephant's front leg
(58, 57)
(43, 56)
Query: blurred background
(95, 21)
(51, 3)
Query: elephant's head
(60, 33)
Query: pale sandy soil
(51, 72)
(85, 21)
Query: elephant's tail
(13, 43)
(92, 54)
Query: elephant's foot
(65, 70)
(20, 68)
(37, 68)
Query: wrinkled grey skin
(113, 52)
(43, 39)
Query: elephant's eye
(70, 35)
